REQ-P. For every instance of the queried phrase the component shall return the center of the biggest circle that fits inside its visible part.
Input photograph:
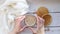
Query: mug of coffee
(30, 20)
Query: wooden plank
(55, 19)
(55, 30)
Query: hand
(18, 27)
(40, 23)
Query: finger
(37, 19)
(41, 19)
(32, 29)
(41, 22)
(23, 28)
(19, 19)
(38, 24)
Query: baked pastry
(42, 11)
(30, 20)
(47, 19)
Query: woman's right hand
(40, 24)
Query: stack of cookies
(44, 13)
